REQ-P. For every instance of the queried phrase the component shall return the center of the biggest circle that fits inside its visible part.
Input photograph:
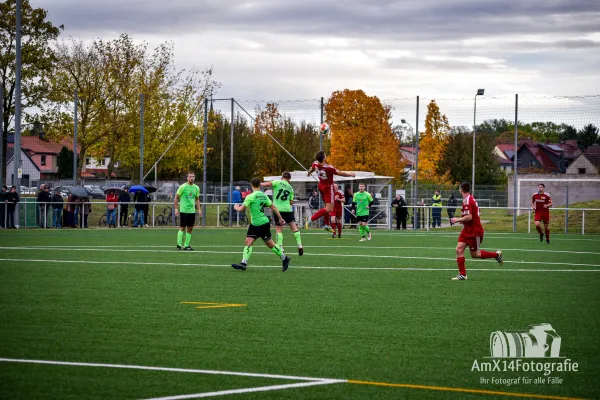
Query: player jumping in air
(471, 234)
(259, 225)
(189, 195)
(361, 202)
(325, 173)
(338, 210)
(541, 203)
(283, 198)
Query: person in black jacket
(451, 207)
(140, 198)
(57, 208)
(401, 212)
(44, 198)
(3, 205)
(13, 199)
(124, 201)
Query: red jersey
(338, 200)
(539, 200)
(325, 173)
(473, 227)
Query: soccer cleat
(286, 264)
(328, 228)
(179, 248)
(333, 236)
(499, 257)
(339, 236)
(369, 236)
(364, 239)
(548, 241)
(541, 237)
(460, 277)
(239, 266)
(300, 250)
(188, 248)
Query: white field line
(166, 369)
(128, 263)
(306, 254)
(249, 390)
(319, 246)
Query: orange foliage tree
(361, 135)
(432, 144)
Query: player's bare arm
(266, 184)
(239, 207)
(346, 174)
(176, 205)
(310, 171)
(198, 207)
(466, 218)
(276, 211)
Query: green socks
(247, 254)
(180, 238)
(367, 229)
(279, 239)
(361, 230)
(297, 237)
(277, 250)
(188, 239)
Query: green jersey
(256, 201)
(283, 192)
(362, 200)
(187, 197)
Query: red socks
(488, 254)
(461, 265)
(319, 214)
(333, 227)
(547, 233)
(539, 229)
(339, 225)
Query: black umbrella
(151, 189)
(118, 191)
(78, 191)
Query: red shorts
(336, 213)
(326, 193)
(542, 216)
(473, 242)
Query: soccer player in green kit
(361, 202)
(189, 195)
(283, 198)
(260, 225)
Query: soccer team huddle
(187, 203)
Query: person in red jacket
(111, 208)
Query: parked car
(164, 194)
(94, 192)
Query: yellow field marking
(210, 304)
(462, 390)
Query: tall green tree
(65, 163)
(568, 132)
(587, 136)
(37, 59)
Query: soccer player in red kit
(471, 234)
(338, 209)
(325, 173)
(541, 203)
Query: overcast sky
(305, 49)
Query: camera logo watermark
(536, 351)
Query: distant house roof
(35, 145)
(12, 155)
(408, 149)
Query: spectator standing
(3, 205)
(57, 208)
(138, 218)
(124, 201)
(13, 199)
(44, 200)
(401, 212)
(111, 208)
(87, 210)
(436, 211)
(451, 207)
(71, 211)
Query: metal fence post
(2, 136)
(17, 154)
(567, 212)
(529, 220)
(231, 162)
(75, 105)
(515, 172)
(204, 196)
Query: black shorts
(187, 220)
(288, 217)
(362, 218)
(261, 231)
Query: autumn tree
(432, 144)
(587, 136)
(37, 59)
(361, 134)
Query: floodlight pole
(204, 197)
(17, 153)
(321, 132)
(479, 93)
(515, 172)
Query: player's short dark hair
(465, 187)
(542, 185)
(190, 172)
(320, 156)
(255, 182)
(286, 175)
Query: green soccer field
(119, 313)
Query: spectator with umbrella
(140, 198)
(124, 201)
(150, 189)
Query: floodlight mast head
(480, 92)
